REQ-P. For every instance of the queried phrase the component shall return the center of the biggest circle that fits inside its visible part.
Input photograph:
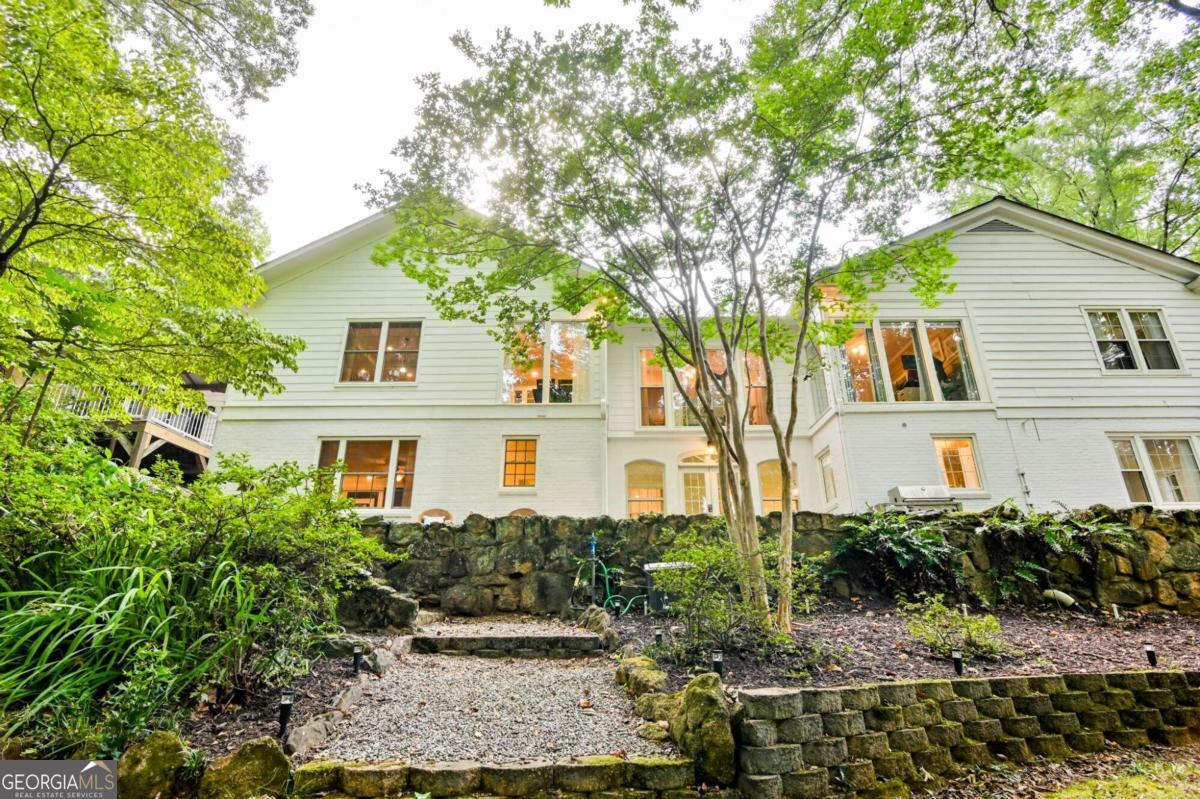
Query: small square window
(520, 462)
(956, 459)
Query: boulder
(467, 600)
(703, 730)
(312, 734)
(341, 646)
(259, 768)
(149, 767)
(377, 606)
(379, 661)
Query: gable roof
(327, 247)
(1000, 214)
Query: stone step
(523, 646)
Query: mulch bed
(846, 642)
(222, 728)
(1033, 780)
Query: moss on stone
(317, 777)
(702, 729)
(149, 767)
(259, 768)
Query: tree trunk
(783, 603)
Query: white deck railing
(200, 426)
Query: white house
(1065, 368)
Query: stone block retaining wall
(603, 777)
(529, 564)
(877, 740)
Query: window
(681, 414)
(756, 388)
(828, 483)
(770, 484)
(381, 352)
(376, 473)
(1131, 472)
(816, 379)
(520, 462)
(956, 459)
(921, 361)
(1112, 328)
(566, 361)
(644, 482)
(1169, 461)
(654, 405)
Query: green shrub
(944, 629)
(896, 553)
(706, 597)
(121, 593)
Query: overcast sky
(333, 124)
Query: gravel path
(502, 626)
(437, 707)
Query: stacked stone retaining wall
(529, 564)
(880, 740)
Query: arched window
(523, 512)
(770, 485)
(435, 516)
(644, 487)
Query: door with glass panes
(700, 490)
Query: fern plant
(898, 553)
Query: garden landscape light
(1151, 655)
(718, 663)
(957, 657)
(286, 697)
(658, 636)
(358, 655)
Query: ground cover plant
(946, 630)
(123, 593)
(896, 553)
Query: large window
(644, 481)
(756, 389)
(770, 484)
(376, 473)
(381, 352)
(1129, 340)
(816, 381)
(520, 462)
(555, 368)
(908, 361)
(653, 393)
(956, 459)
(681, 413)
(1158, 469)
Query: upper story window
(1116, 330)
(908, 361)
(816, 380)
(756, 388)
(381, 352)
(376, 473)
(554, 369)
(1158, 469)
(657, 394)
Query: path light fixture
(358, 655)
(1116, 612)
(957, 657)
(658, 636)
(1151, 655)
(718, 662)
(286, 698)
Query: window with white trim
(957, 462)
(1158, 469)
(556, 367)
(375, 473)
(770, 485)
(828, 480)
(1132, 339)
(756, 389)
(381, 352)
(908, 361)
(644, 484)
(658, 393)
(520, 462)
(815, 376)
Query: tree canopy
(127, 237)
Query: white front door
(700, 492)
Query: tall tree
(693, 189)
(127, 238)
